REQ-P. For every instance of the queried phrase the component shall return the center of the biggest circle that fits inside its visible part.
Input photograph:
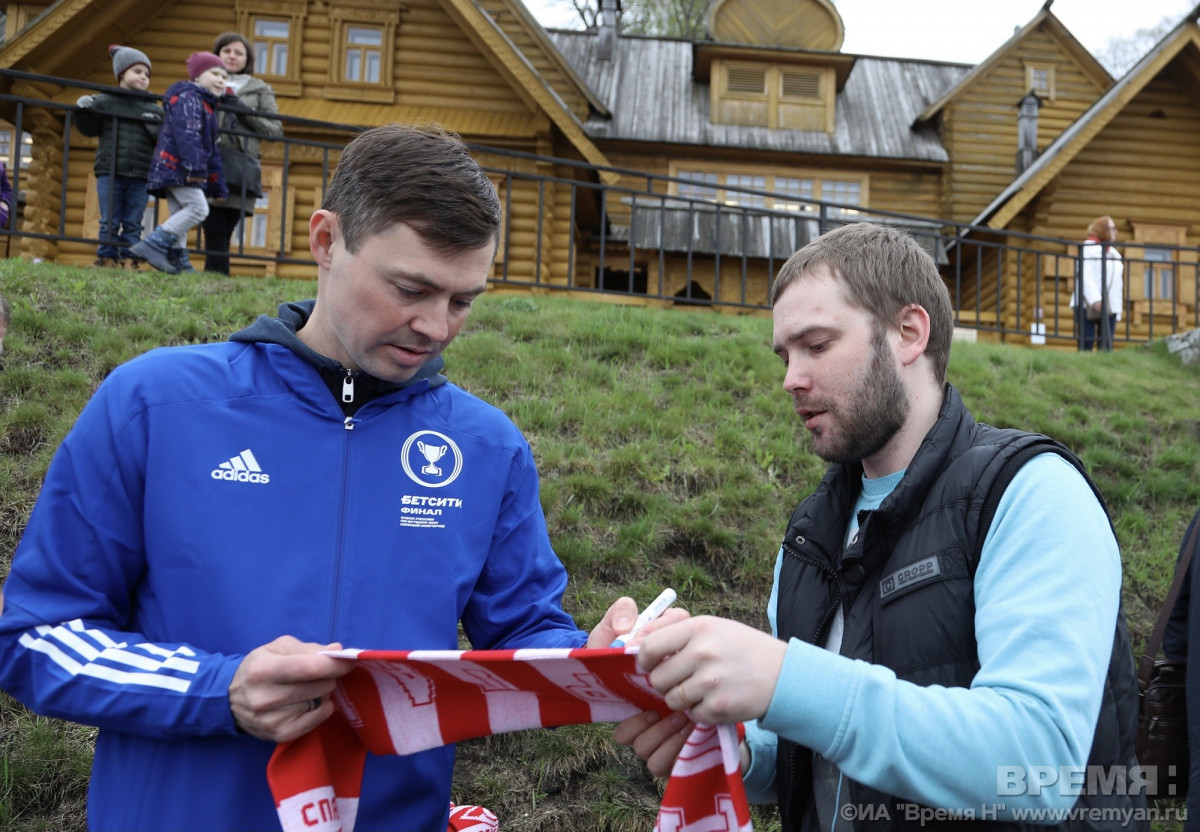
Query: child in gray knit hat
(127, 125)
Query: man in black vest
(950, 644)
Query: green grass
(668, 452)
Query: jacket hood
(294, 315)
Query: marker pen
(657, 607)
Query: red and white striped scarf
(404, 701)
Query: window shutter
(801, 83)
(746, 79)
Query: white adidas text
(240, 476)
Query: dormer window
(1040, 79)
(806, 98)
(773, 95)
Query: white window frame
(1032, 69)
(293, 13)
(1159, 277)
(343, 19)
(805, 185)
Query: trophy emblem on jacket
(432, 454)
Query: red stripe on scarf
(408, 701)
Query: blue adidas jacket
(212, 498)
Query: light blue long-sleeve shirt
(1047, 591)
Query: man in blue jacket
(222, 513)
(948, 645)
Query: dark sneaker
(106, 263)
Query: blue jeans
(122, 204)
(1089, 332)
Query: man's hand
(281, 690)
(619, 620)
(85, 101)
(657, 740)
(717, 670)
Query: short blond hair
(1099, 227)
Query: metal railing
(671, 239)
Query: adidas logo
(241, 468)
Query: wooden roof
(650, 92)
(51, 45)
(490, 38)
(1043, 19)
(801, 24)
(1182, 41)
(524, 30)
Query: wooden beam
(495, 44)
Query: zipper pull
(348, 423)
(348, 387)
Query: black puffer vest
(906, 587)
(133, 141)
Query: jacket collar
(293, 316)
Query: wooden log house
(360, 62)
(767, 102)
(1134, 154)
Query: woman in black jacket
(251, 93)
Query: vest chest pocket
(923, 618)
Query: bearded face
(870, 413)
(842, 370)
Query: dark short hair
(227, 38)
(421, 176)
(882, 270)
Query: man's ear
(323, 231)
(912, 324)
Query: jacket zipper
(831, 574)
(343, 508)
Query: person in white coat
(1100, 289)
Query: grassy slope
(669, 456)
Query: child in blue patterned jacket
(187, 164)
